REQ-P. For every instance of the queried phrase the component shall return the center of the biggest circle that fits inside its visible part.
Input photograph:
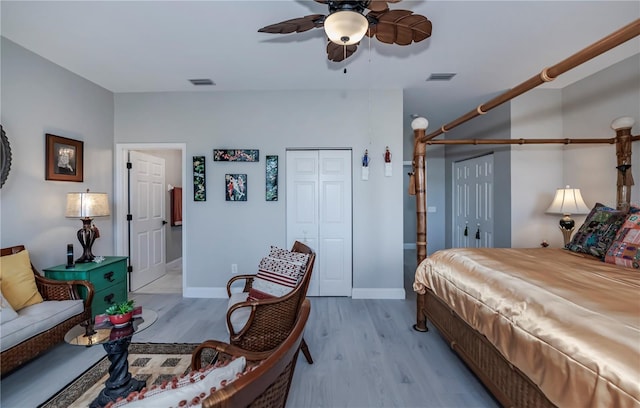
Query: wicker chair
(271, 320)
(49, 290)
(267, 385)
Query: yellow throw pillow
(18, 283)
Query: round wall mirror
(5, 157)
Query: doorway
(156, 263)
(319, 213)
(473, 202)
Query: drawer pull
(109, 299)
(109, 276)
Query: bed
(540, 327)
(569, 322)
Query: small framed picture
(235, 187)
(199, 186)
(236, 155)
(63, 159)
(271, 179)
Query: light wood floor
(366, 355)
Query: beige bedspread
(571, 324)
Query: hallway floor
(171, 282)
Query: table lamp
(86, 206)
(566, 202)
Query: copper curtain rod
(614, 39)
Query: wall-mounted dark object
(5, 157)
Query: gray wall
(220, 233)
(588, 108)
(494, 125)
(39, 97)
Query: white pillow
(187, 391)
(6, 311)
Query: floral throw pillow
(625, 249)
(598, 231)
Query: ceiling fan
(346, 24)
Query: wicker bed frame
(508, 384)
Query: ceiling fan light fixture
(346, 27)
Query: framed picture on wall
(235, 187)
(199, 179)
(271, 180)
(63, 159)
(236, 155)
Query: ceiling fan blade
(322, 1)
(400, 27)
(380, 5)
(337, 53)
(295, 25)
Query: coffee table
(115, 341)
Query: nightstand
(108, 278)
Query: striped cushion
(275, 278)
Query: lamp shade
(568, 201)
(87, 205)
(345, 27)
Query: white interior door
(319, 214)
(473, 202)
(147, 191)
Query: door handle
(109, 299)
(164, 222)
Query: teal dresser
(108, 278)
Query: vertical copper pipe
(419, 153)
(625, 178)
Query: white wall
(222, 233)
(588, 108)
(535, 115)
(39, 97)
(584, 109)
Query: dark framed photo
(236, 155)
(64, 159)
(235, 187)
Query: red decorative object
(120, 319)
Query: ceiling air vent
(441, 76)
(199, 82)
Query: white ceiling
(153, 46)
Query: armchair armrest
(247, 284)
(224, 348)
(63, 290)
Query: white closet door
(473, 202)
(319, 214)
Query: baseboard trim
(176, 263)
(356, 293)
(378, 293)
(205, 293)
